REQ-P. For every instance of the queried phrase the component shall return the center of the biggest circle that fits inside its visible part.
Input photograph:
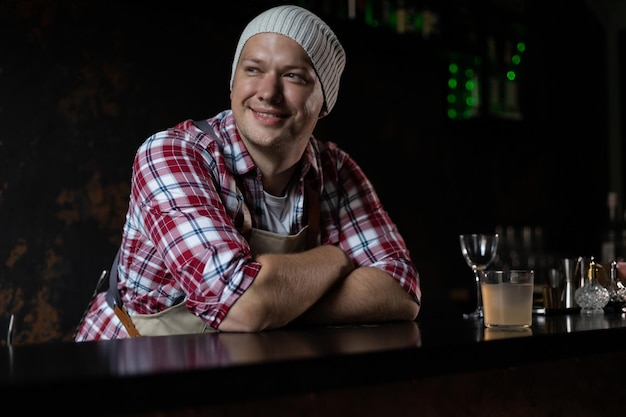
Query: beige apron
(178, 320)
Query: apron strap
(113, 296)
(312, 204)
(115, 302)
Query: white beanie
(312, 34)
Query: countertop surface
(295, 360)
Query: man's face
(276, 96)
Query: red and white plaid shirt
(181, 237)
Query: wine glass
(478, 250)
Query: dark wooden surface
(222, 369)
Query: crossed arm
(318, 286)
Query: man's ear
(323, 112)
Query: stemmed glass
(478, 250)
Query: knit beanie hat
(312, 34)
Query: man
(245, 221)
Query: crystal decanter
(592, 297)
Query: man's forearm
(286, 286)
(365, 295)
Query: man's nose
(270, 88)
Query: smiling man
(247, 222)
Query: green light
(515, 59)
(452, 83)
(521, 46)
(453, 68)
(469, 101)
(369, 14)
(452, 114)
(510, 75)
(451, 98)
(469, 85)
(469, 73)
(393, 20)
(467, 114)
(418, 23)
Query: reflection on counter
(547, 324)
(569, 323)
(496, 334)
(217, 350)
(592, 322)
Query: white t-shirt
(279, 211)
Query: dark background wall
(82, 84)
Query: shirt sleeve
(180, 231)
(354, 218)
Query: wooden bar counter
(565, 365)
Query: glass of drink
(507, 298)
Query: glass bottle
(617, 290)
(592, 297)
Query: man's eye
(295, 76)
